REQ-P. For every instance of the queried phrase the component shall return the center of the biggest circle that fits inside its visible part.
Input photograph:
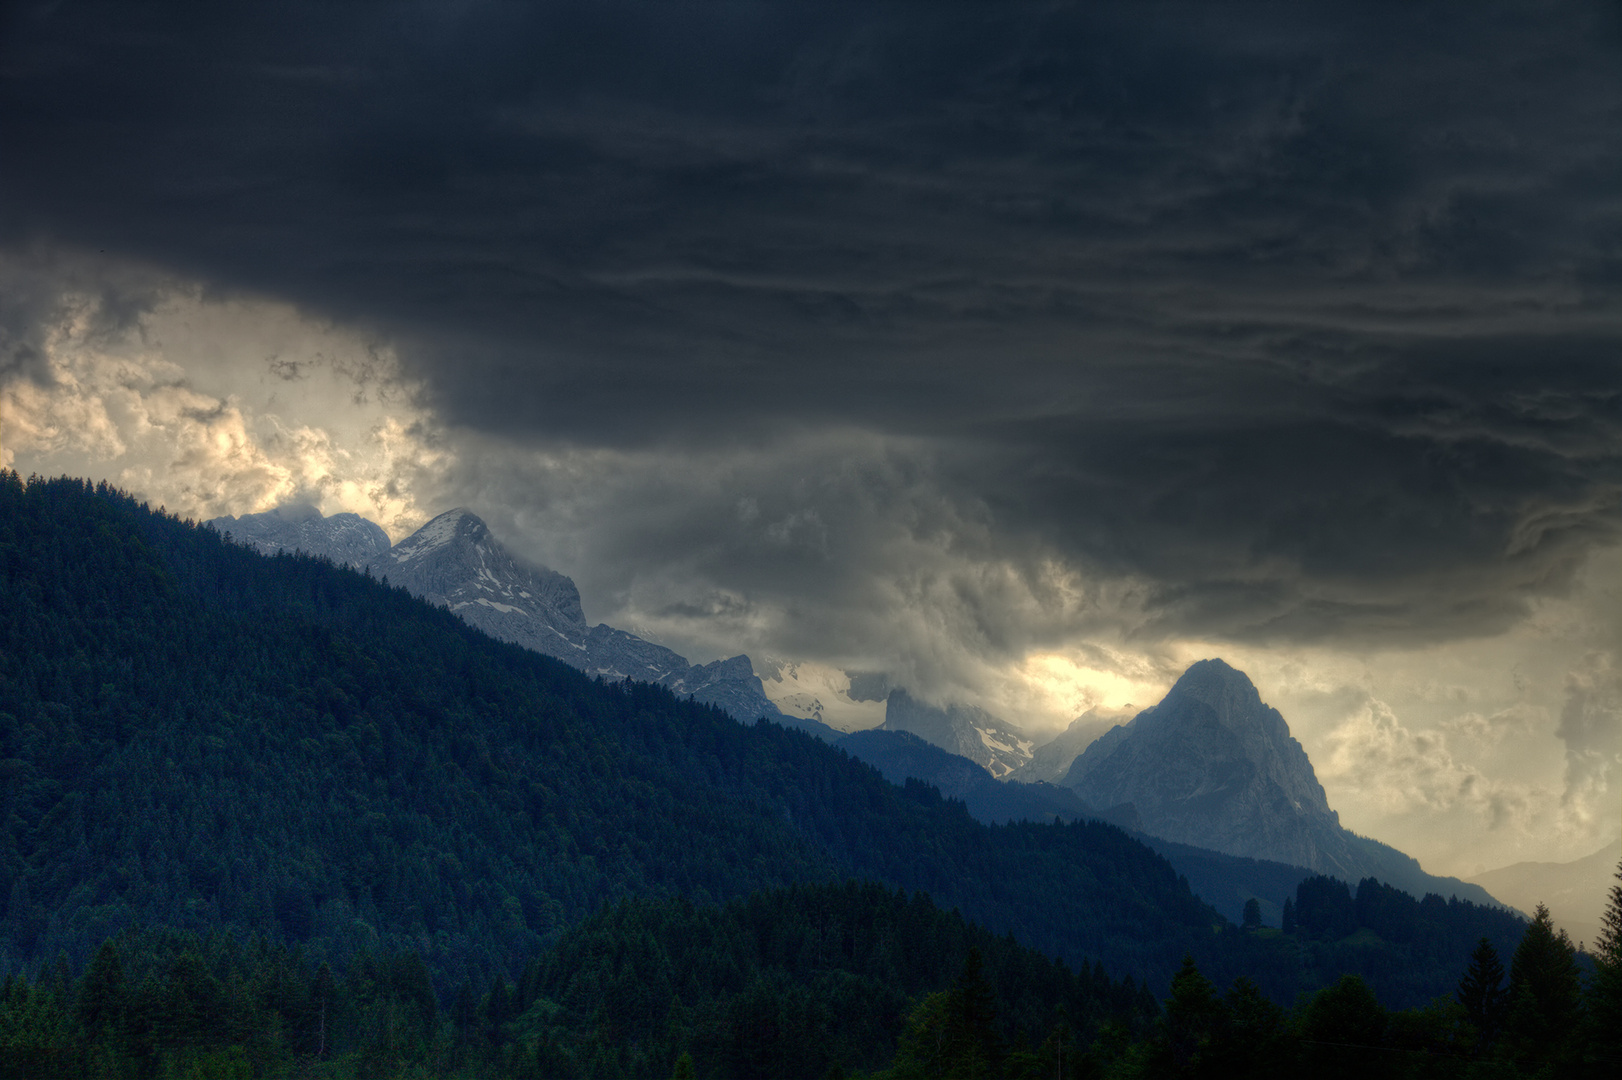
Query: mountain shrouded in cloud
(1212, 765)
(925, 340)
(454, 562)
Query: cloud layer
(931, 341)
(1305, 318)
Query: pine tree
(102, 993)
(973, 1048)
(1482, 993)
(1608, 946)
(1344, 1028)
(1195, 1018)
(1544, 995)
(1603, 1046)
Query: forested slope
(198, 738)
(790, 982)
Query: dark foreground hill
(196, 737)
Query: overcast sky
(1023, 353)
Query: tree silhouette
(1603, 1047)
(1482, 992)
(1544, 994)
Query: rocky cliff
(992, 743)
(1215, 767)
(455, 561)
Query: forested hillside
(196, 738)
(790, 982)
(199, 737)
(811, 981)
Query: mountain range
(198, 739)
(1210, 768)
(1574, 892)
(901, 755)
(997, 746)
(1051, 760)
(454, 561)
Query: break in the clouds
(1007, 349)
(206, 405)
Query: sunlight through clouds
(153, 402)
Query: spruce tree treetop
(1608, 945)
(1544, 994)
(1481, 991)
(1604, 996)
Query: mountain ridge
(197, 738)
(454, 560)
(1215, 767)
(966, 730)
(1573, 891)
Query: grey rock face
(346, 539)
(453, 560)
(1052, 759)
(993, 744)
(1213, 766)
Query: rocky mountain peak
(1212, 691)
(1214, 766)
(455, 561)
(346, 539)
(1227, 690)
(456, 528)
(991, 742)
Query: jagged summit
(994, 744)
(442, 531)
(346, 539)
(1214, 766)
(454, 560)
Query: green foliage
(1544, 995)
(1408, 951)
(798, 982)
(1324, 908)
(1602, 1047)
(805, 981)
(1481, 992)
(1343, 1028)
(196, 736)
(337, 807)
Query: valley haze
(967, 367)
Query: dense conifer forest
(810, 981)
(272, 816)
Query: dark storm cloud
(1304, 314)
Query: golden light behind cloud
(159, 407)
